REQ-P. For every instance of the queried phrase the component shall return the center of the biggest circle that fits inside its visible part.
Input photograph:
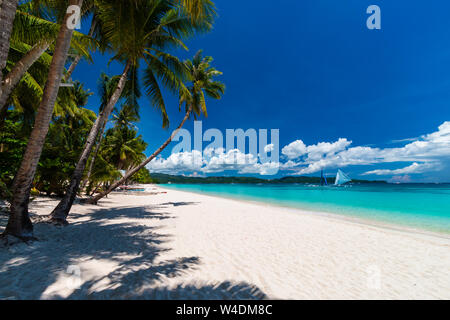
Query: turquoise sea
(420, 206)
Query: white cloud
(213, 161)
(414, 168)
(326, 149)
(294, 150)
(298, 149)
(428, 153)
(178, 162)
(264, 169)
(269, 148)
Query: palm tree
(33, 36)
(66, 137)
(131, 93)
(78, 57)
(27, 94)
(7, 14)
(126, 117)
(19, 224)
(202, 82)
(199, 9)
(123, 147)
(135, 31)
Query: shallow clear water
(423, 206)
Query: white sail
(341, 178)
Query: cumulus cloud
(298, 149)
(178, 162)
(295, 149)
(213, 161)
(428, 153)
(326, 149)
(414, 168)
(269, 148)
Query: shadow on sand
(130, 248)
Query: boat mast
(323, 180)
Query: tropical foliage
(51, 142)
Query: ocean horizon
(419, 206)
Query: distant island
(160, 178)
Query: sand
(180, 245)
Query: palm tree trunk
(95, 189)
(20, 68)
(60, 213)
(3, 114)
(94, 156)
(132, 172)
(19, 223)
(77, 59)
(7, 15)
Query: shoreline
(173, 244)
(340, 217)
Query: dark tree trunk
(94, 156)
(12, 78)
(7, 15)
(60, 213)
(19, 223)
(132, 172)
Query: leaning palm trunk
(7, 15)
(77, 59)
(19, 223)
(94, 156)
(132, 172)
(60, 213)
(21, 67)
(13, 77)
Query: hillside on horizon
(161, 178)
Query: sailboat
(341, 178)
(323, 179)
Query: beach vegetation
(51, 142)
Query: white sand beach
(180, 245)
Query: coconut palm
(27, 94)
(32, 36)
(199, 9)
(124, 147)
(121, 148)
(78, 57)
(126, 117)
(130, 94)
(64, 141)
(19, 224)
(55, 9)
(138, 31)
(201, 75)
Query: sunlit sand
(166, 244)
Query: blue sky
(313, 70)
